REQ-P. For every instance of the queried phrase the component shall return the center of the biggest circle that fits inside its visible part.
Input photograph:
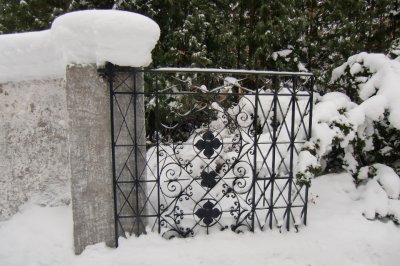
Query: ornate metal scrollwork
(215, 159)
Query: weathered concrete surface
(33, 145)
(88, 105)
(130, 152)
(55, 144)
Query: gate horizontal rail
(215, 71)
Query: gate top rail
(216, 70)
(230, 71)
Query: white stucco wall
(33, 144)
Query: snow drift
(336, 235)
(83, 37)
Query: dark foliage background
(240, 34)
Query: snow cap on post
(98, 36)
(83, 37)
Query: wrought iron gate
(219, 150)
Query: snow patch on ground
(37, 236)
(337, 234)
(91, 36)
(381, 193)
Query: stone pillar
(88, 104)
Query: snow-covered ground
(337, 234)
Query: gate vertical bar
(311, 99)
(292, 139)
(254, 182)
(158, 156)
(275, 85)
(136, 147)
(110, 76)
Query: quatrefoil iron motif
(208, 179)
(209, 144)
(208, 213)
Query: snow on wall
(33, 143)
(83, 37)
(34, 162)
(27, 56)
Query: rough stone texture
(33, 145)
(130, 133)
(55, 144)
(88, 103)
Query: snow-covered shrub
(332, 133)
(374, 82)
(394, 50)
(358, 130)
(307, 166)
(386, 141)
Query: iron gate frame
(111, 72)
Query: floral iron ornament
(208, 179)
(209, 144)
(208, 213)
